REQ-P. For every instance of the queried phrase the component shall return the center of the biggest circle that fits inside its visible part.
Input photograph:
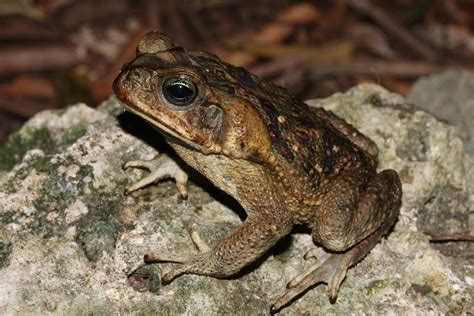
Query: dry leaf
(301, 13)
(239, 58)
(29, 86)
(273, 33)
(333, 51)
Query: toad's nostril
(135, 75)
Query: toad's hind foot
(330, 269)
(160, 167)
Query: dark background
(58, 52)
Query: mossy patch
(446, 208)
(6, 218)
(415, 144)
(36, 138)
(21, 142)
(374, 100)
(422, 289)
(5, 251)
(72, 134)
(58, 192)
(98, 230)
(375, 287)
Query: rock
(69, 238)
(449, 96)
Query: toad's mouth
(167, 130)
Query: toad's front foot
(160, 167)
(188, 262)
(237, 250)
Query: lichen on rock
(69, 237)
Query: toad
(286, 163)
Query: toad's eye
(179, 91)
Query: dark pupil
(179, 91)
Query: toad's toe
(330, 269)
(160, 167)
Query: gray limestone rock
(69, 237)
(449, 96)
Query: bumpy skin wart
(284, 162)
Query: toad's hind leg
(377, 211)
(330, 269)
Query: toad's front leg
(243, 246)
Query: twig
(278, 66)
(437, 236)
(392, 26)
(22, 107)
(18, 27)
(24, 59)
(404, 69)
(332, 51)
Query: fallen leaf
(29, 86)
(273, 33)
(301, 13)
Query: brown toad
(284, 162)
